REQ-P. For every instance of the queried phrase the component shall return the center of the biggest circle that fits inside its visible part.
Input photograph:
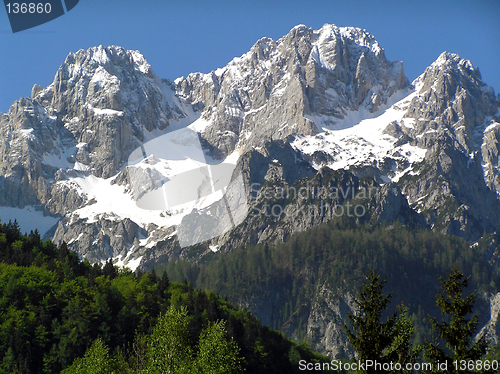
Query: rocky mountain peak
(452, 99)
(456, 116)
(452, 61)
(323, 74)
(100, 77)
(104, 98)
(449, 73)
(307, 91)
(355, 35)
(99, 107)
(112, 58)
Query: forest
(284, 278)
(60, 314)
(57, 311)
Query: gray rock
(282, 83)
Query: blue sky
(179, 37)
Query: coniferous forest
(285, 278)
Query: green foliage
(96, 360)
(281, 280)
(55, 309)
(169, 348)
(373, 339)
(455, 328)
(217, 354)
(402, 349)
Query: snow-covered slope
(364, 139)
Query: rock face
(285, 84)
(106, 101)
(455, 116)
(98, 108)
(318, 124)
(492, 329)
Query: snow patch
(59, 158)
(132, 264)
(358, 139)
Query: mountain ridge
(304, 89)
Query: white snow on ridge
(100, 55)
(358, 139)
(112, 200)
(106, 112)
(493, 125)
(126, 262)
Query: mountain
(121, 164)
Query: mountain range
(315, 125)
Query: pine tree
(370, 336)
(373, 339)
(456, 329)
(401, 349)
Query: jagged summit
(304, 80)
(108, 56)
(452, 99)
(311, 99)
(454, 61)
(453, 69)
(360, 36)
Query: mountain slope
(53, 306)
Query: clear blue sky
(183, 36)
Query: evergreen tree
(456, 329)
(373, 339)
(370, 336)
(109, 269)
(401, 349)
